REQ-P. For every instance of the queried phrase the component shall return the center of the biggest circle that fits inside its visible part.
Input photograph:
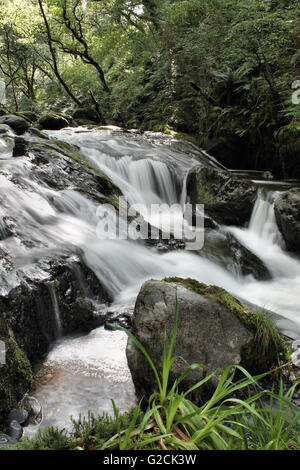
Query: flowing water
(87, 371)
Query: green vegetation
(218, 71)
(262, 421)
(15, 374)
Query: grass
(263, 421)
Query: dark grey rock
(213, 330)
(287, 212)
(17, 123)
(14, 430)
(228, 200)
(18, 414)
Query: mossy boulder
(228, 200)
(15, 373)
(30, 116)
(214, 329)
(86, 114)
(53, 121)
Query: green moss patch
(268, 348)
(15, 374)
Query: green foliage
(220, 71)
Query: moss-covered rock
(53, 121)
(227, 199)
(214, 329)
(86, 114)
(15, 374)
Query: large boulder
(228, 200)
(214, 329)
(53, 121)
(17, 123)
(287, 212)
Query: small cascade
(57, 319)
(263, 222)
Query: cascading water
(148, 172)
(262, 237)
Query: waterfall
(263, 222)
(57, 318)
(60, 221)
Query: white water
(60, 221)
(282, 293)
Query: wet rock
(287, 212)
(223, 248)
(19, 415)
(214, 329)
(38, 133)
(228, 200)
(14, 430)
(6, 441)
(20, 147)
(247, 261)
(17, 123)
(15, 373)
(34, 409)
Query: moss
(53, 121)
(69, 151)
(267, 347)
(204, 196)
(15, 374)
(180, 135)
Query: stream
(85, 372)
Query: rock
(20, 147)
(228, 200)
(19, 415)
(214, 329)
(53, 121)
(223, 248)
(33, 408)
(6, 441)
(15, 374)
(17, 123)
(28, 115)
(14, 430)
(247, 261)
(38, 133)
(287, 212)
(85, 114)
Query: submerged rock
(214, 329)
(287, 212)
(228, 200)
